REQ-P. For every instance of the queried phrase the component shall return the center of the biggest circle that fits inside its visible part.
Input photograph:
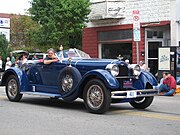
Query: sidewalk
(178, 89)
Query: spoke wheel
(142, 103)
(12, 89)
(69, 79)
(97, 97)
(67, 83)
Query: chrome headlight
(113, 69)
(137, 70)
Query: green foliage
(23, 32)
(4, 51)
(61, 21)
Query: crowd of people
(12, 62)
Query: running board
(42, 94)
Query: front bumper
(133, 93)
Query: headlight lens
(137, 70)
(113, 69)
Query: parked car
(99, 82)
(39, 55)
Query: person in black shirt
(51, 57)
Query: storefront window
(154, 34)
(113, 50)
(115, 35)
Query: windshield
(75, 53)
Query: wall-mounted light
(142, 53)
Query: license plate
(127, 84)
(131, 94)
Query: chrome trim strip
(114, 96)
(41, 94)
(125, 77)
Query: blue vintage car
(99, 82)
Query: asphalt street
(37, 115)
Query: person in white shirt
(1, 63)
(24, 59)
(8, 63)
(127, 62)
(60, 53)
(143, 66)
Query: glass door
(153, 56)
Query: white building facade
(110, 29)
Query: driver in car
(51, 57)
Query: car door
(50, 73)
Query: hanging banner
(164, 59)
(6, 33)
(5, 22)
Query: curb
(177, 90)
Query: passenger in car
(51, 57)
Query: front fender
(21, 76)
(144, 79)
(109, 80)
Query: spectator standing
(13, 60)
(143, 66)
(24, 58)
(8, 63)
(60, 53)
(127, 62)
(1, 63)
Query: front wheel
(12, 89)
(142, 103)
(97, 97)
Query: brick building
(110, 30)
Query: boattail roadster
(99, 82)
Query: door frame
(147, 40)
(147, 47)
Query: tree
(61, 21)
(4, 51)
(23, 32)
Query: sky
(14, 6)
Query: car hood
(94, 62)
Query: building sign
(136, 26)
(164, 59)
(116, 9)
(104, 10)
(4, 22)
(136, 35)
(5, 32)
(136, 19)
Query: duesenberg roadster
(99, 82)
